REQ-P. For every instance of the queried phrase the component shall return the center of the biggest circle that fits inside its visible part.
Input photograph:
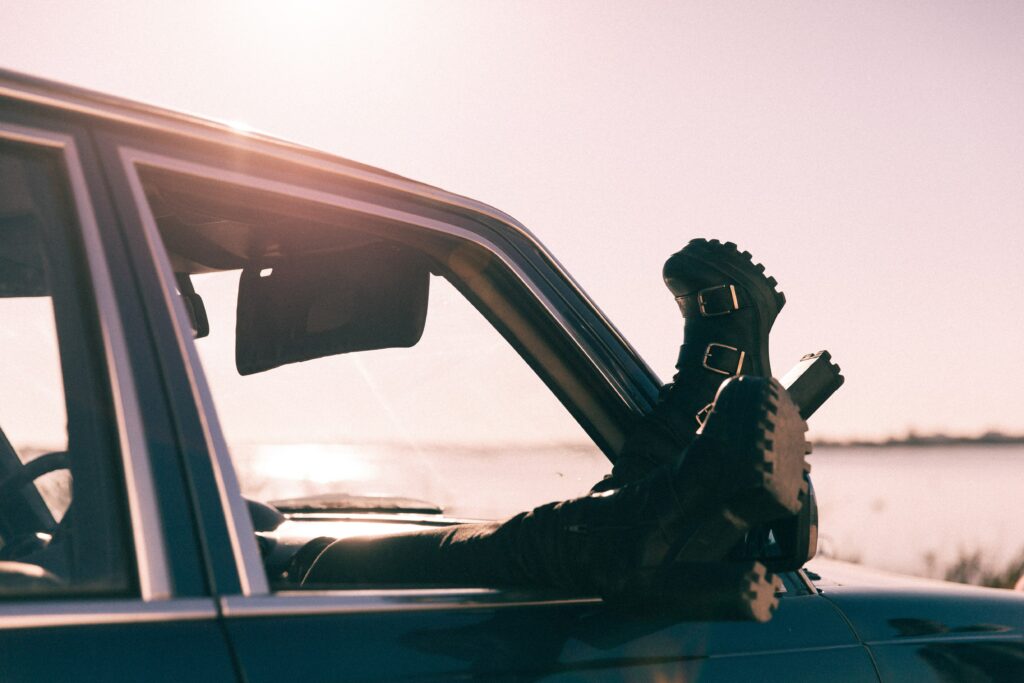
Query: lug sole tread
(774, 483)
(741, 262)
(712, 259)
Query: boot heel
(707, 591)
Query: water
(891, 508)
(469, 482)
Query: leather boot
(744, 468)
(729, 307)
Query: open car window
(422, 392)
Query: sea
(918, 509)
(912, 510)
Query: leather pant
(585, 544)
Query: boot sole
(707, 591)
(726, 260)
(766, 454)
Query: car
(181, 417)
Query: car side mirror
(194, 306)
(796, 537)
(297, 308)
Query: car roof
(54, 94)
(60, 95)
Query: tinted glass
(60, 491)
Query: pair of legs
(710, 461)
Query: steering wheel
(25, 543)
(31, 471)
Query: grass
(969, 567)
(972, 567)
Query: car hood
(826, 573)
(885, 607)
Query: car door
(96, 581)
(197, 204)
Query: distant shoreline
(930, 441)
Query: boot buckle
(709, 311)
(702, 414)
(709, 352)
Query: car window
(456, 420)
(61, 528)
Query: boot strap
(710, 302)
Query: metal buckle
(702, 300)
(710, 350)
(702, 414)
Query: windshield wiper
(345, 502)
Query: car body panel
(169, 648)
(928, 630)
(884, 615)
(452, 635)
(889, 607)
(483, 632)
(949, 633)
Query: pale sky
(870, 154)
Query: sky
(871, 154)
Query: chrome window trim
(806, 582)
(370, 601)
(244, 547)
(251, 574)
(87, 612)
(147, 532)
(204, 130)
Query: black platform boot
(745, 468)
(729, 307)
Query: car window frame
(123, 153)
(225, 157)
(154, 599)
